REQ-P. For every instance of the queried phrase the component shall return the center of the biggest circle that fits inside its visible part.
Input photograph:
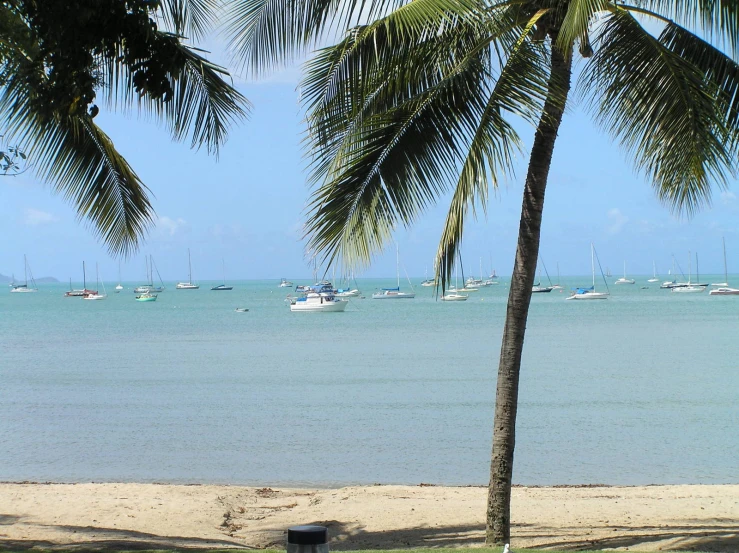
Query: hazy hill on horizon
(42, 280)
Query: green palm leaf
(660, 107)
(267, 33)
(189, 17)
(203, 104)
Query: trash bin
(307, 539)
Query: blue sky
(247, 208)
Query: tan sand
(703, 518)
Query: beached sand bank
(704, 518)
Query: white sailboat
(723, 288)
(454, 296)
(119, 286)
(589, 293)
(690, 287)
(625, 280)
(189, 284)
(394, 293)
(23, 288)
(96, 295)
(428, 281)
(149, 287)
(654, 273)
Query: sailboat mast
(25, 269)
(726, 270)
(84, 277)
(697, 270)
(189, 266)
(592, 262)
(397, 263)
(690, 267)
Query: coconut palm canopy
(62, 62)
(417, 98)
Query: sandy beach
(651, 518)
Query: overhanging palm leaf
(521, 90)
(392, 151)
(266, 33)
(189, 17)
(202, 105)
(719, 19)
(662, 109)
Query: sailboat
(119, 286)
(95, 295)
(349, 292)
(537, 288)
(454, 295)
(625, 280)
(654, 273)
(589, 293)
(149, 287)
(79, 293)
(223, 286)
(394, 293)
(187, 285)
(21, 288)
(690, 287)
(557, 286)
(428, 281)
(724, 289)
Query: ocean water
(639, 389)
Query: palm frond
(720, 72)
(81, 163)
(192, 18)
(662, 110)
(520, 89)
(717, 19)
(391, 118)
(203, 105)
(577, 21)
(269, 33)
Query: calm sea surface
(641, 388)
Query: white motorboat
(589, 293)
(353, 293)
(624, 280)
(189, 284)
(724, 291)
(285, 283)
(23, 288)
(454, 297)
(318, 301)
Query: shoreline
(593, 516)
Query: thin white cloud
(169, 226)
(617, 221)
(728, 197)
(35, 217)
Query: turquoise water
(641, 388)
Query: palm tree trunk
(498, 529)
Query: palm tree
(57, 58)
(417, 96)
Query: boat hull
(454, 297)
(394, 296)
(326, 306)
(589, 296)
(689, 289)
(186, 286)
(724, 292)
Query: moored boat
(317, 301)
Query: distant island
(42, 280)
